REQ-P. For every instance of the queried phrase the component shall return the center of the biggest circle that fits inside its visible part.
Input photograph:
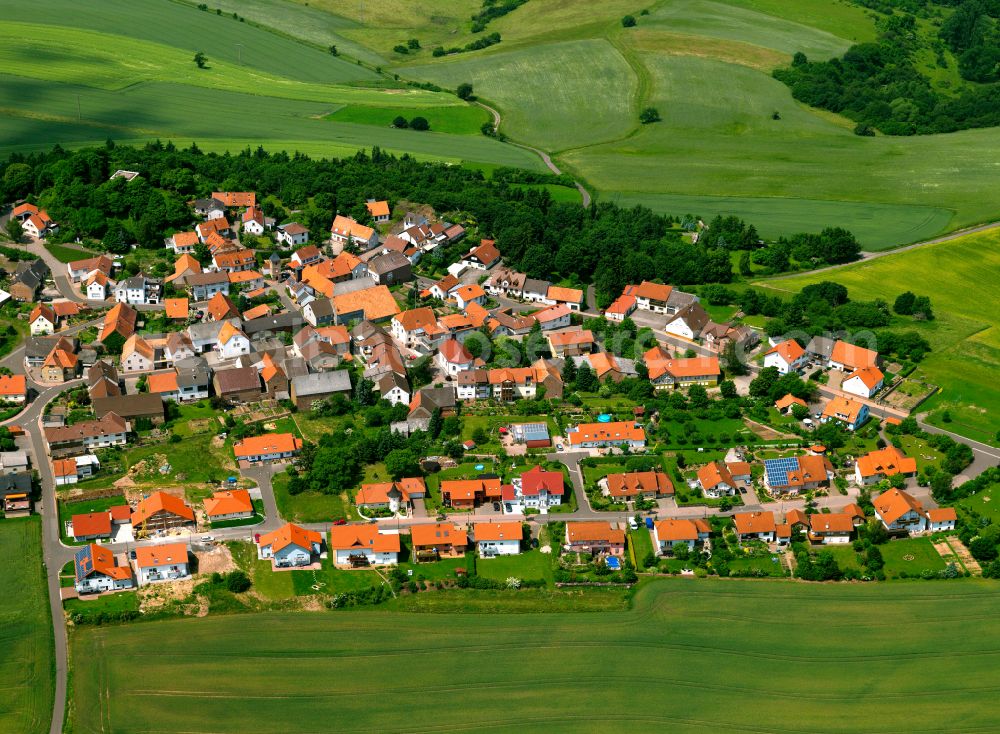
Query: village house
(482, 257)
(234, 261)
(497, 538)
(442, 289)
(536, 291)
(292, 234)
(469, 493)
(99, 287)
(941, 519)
(131, 407)
(465, 295)
(248, 281)
(390, 268)
(356, 546)
(393, 496)
(267, 447)
(118, 326)
(220, 307)
(453, 358)
(721, 479)
(346, 230)
(668, 534)
(536, 489)
(881, 464)
(688, 322)
(178, 346)
(79, 270)
(307, 255)
(14, 462)
(138, 290)
(558, 316)
(206, 285)
(96, 570)
(91, 526)
(61, 363)
(417, 327)
(863, 382)
(441, 540)
(785, 403)
(787, 356)
(161, 511)
(28, 279)
(237, 384)
(42, 320)
(232, 341)
(848, 357)
(39, 225)
(210, 208)
(182, 243)
(645, 485)
(236, 199)
(372, 304)
(623, 306)
(796, 474)
(505, 282)
(571, 342)
(603, 435)
(137, 355)
(595, 538)
(392, 386)
(378, 210)
(290, 546)
(83, 437)
(572, 298)
(102, 380)
(652, 296)
(833, 528)
(176, 308)
(852, 413)
(755, 526)
(427, 400)
(307, 390)
(164, 562)
(254, 221)
(900, 511)
(229, 504)
(667, 372)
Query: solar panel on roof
(777, 470)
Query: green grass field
(965, 336)
(27, 667)
(986, 502)
(391, 671)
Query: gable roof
(93, 558)
(894, 503)
(221, 306)
(680, 530)
(565, 295)
(887, 461)
(378, 208)
(363, 537)
(789, 350)
(853, 356)
(164, 554)
(416, 318)
(438, 534)
(653, 291)
(161, 502)
(589, 532)
(630, 484)
(788, 400)
(119, 319)
(754, 522)
(871, 376)
(843, 406)
(268, 443)
(176, 308)
(453, 351)
(289, 534)
(537, 478)
(346, 227)
(376, 303)
(504, 530)
(228, 502)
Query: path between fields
(546, 158)
(865, 256)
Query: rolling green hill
(692, 656)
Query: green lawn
(66, 254)
(986, 502)
(528, 565)
(910, 556)
(641, 543)
(123, 601)
(697, 628)
(309, 506)
(27, 664)
(965, 336)
(845, 555)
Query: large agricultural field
(691, 656)
(26, 654)
(965, 335)
(566, 78)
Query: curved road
(546, 158)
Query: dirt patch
(217, 560)
(155, 596)
(218, 442)
(200, 425)
(766, 433)
(959, 549)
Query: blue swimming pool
(604, 418)
(613, 563)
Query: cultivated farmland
(691, 656)
(26, 654)
(965, 335)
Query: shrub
(628, 21)
(238, 582)
(419, 123)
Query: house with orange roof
(646, 485)
(501, 538)
(469, 493)
(755, 526)
(863, 382)
(595, 538)
(182, 243)
(345, 266)
(91, 525)
(439, 540)
(357, 546)
(849, 357)
(787, 356)
(571, 342)
(247, 280)
(378, 210)
(852, 413)
(61, 364)
(603, 435)
(411, 327)
(256, 312)
(119, 325)
(137, 355)
(796, 474)
(308, 255)
(268, 447)
(13, 388)
(42, 320)
(23, 210)
(39, 225)
(371, 304)
(163, 384)
(393, 496)
(453, 357)
(234, 261)
(607, 366)
(833, 528)
(236, 199)
(99, 286)
(667, 372)
(176, 308)
(652, 297)
(229, 504)
(254, 221)
(482, 257)
(670, 533)
(96, 570)
(721, 479)
(162, 562)
(289, 546)
(465, 295)
(443, 288)
(784, 404)
(622, 307)
(346, 229)
(220, 307)
(162, 511)
(571, 297)
(79, 270)
(941, 519)
(900, 511)
(883, 463)
(558, 316)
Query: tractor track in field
(546, 158)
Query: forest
(882, 85)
